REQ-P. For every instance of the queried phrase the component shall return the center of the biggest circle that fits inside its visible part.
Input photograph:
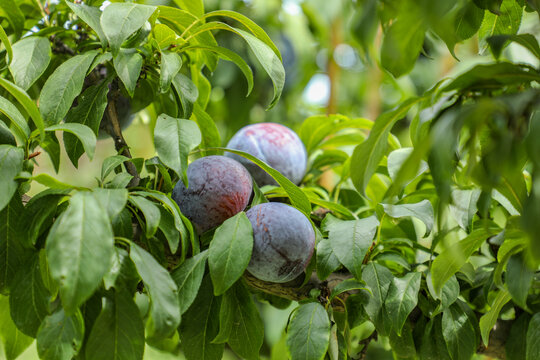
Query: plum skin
(218, 188)
(276, 145)
(283, 242)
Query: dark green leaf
(516, 343)
(507, 21)
(14, 15)
(459, 333)
(164, 309)
(187, 92)
(110, 163)
(150, 211)
(39, 213)
(166, 225)
(533, 337)
(350, 240)
(85, 135)
(171, 63)
(528, 41)
(209, 130)
(174, 139)
(63, 86)
(13, 341)
(188, 278)
(7, 45)
(12, 252)
(89, 111)
(200, 326)
(240, 324)
(402, 298)
(489, 319)
(79, 248)
(346, 285)
(11, 162)
(19, 125)
(327, 261)
(308, 334)
(403, 345)
(230, 252)
(29, 300)
(128, 65)
(112, 200)
(118, 333)
(60, 336)
(31, 56)
(378, 280)
(433, 345)
(519, 279)
(6, 136)
(120, 20)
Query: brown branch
(115, 131)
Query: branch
(116, 133)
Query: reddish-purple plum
(276, 145)
(218, 188)
(283, 242)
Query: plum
(283, 242)
(275, 144)
(218, 188)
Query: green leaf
(240, 324)
(63, 86)
(516, 343)
(196, 7)
(12, 252)
(468, 20)
(451, 259)
(200, 326)
(7, 45)
(459, 333)
(150, 211)
(29, 300)
(346, 285)
(28, 104)
(327, 261)
(308, 334)
(230, 252)
(90, 15)
(398, 159)
(11, 11)
(533, 337)
(110, 163)
(60, 336)
(164, 36)
(229, 55)
(519, 279)
(488, 320)
(118, 333)
(528, 41)
(164, 309)
(13, 341)
(79, 248)
(31, 56)
(492, 5)
(11, 163)
(506, 22)
(50, 182)
(6, 135)
(174, 139)
(250, 25)
(351, 240)
(402, 44)
(493, 75)
(463, 207)
(402, 299)
(171, 63)
(188, 278)
(89, 111)
(378, 280)
(20, 127)
(123, 275)
(112, 200)
(120, 20)
(167, 227)
(298, 199)
(85, 135)
(422, 211)
(367, 156)
(187, 92)
(209, 130)
(403, 345)
(128, 65)
(432, 344)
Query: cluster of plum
(221, 186)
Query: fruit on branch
(275, 144)
(218, 188)
(283, 242)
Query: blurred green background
(327, 72)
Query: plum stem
(116, 133)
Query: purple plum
(218, 188)
(276, 145)
(283, 242)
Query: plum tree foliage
(430, 250)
